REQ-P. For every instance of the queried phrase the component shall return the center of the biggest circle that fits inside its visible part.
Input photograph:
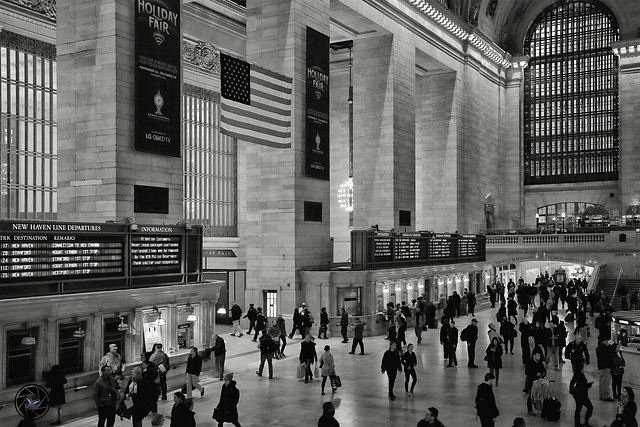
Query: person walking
(617, 370)
(577, 353)
(327, 369)
(470, 334)
(105, 396)
(219, 354)
(486, 408)
(327, 419)
(391, 364)
(430, 419)
(192, 373)
(358, 334)
(252, 315)
(267, 348)
(534, 370)
(227, 409)
(261, 324)
(308, 355)
(324, 322)
(552, 343)
(409, 362)
(604, 358)
(142, 393)
(181, 413)
(579, 389)
(344, 323)
(494, 359)
(452, 339)
(471, 304)
(296, 323)
(420, 322)
(282, 339)
(444, 337)
(56, 381)
(161, 360)
(236, 314)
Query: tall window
(210, 166)
(28, 150)
(571, 95)
(71, 356)
(21, 366)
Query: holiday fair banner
(157, 76)
(317, 100)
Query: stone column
(97, 163)
(384, 132)
(279, 242)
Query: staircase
(609, 286)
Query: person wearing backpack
(470, 336)
(267, 347)
(261, 323)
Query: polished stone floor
(362, 401)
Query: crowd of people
(530, 311)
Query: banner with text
(317, 100)
(157, 76)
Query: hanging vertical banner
(157, 77)
(317, 100)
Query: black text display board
(155, 254)
(45, 257)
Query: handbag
(335, 381)
(300, 371)
(217, 414)
(316, 372)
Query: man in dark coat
(327, 419)
(471, 337)
(236, 314)
(453, 344)
(252, 315)
(577, 353)
(105, 397)
(227, 409)
(344, 323)
(194, 367)
(261, 323)
(444, 337)
(486, 407)
(579, 389)
(391, 364)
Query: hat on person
(474, 320)
(519, 422)
(304, 303)
(113, 347)
(229, 376)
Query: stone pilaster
(98, 166)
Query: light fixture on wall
(132, 224)
(123, 327)
(159, 321)
(78, 333)
(191, 317)
(28, 340)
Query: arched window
(571, 95)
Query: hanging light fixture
(191, 317)
(345, 192)
(78, 333)
(28, 340)
(159, 321)
(123, 327)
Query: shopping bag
(300, 372)
(316, 372)
(335, 381)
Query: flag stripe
(253, 117)
(256, 128)
(259, 140)
(273, 75)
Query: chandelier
(345, 195)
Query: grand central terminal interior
(163, 159)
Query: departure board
(469, 246)
(410, 247)
(35, 256)
(382, 250)
(442, 246)
(155, 254)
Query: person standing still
(236, 314)
(324, 323)
(430, 419)
(192, 374)
(344, 323)
(391, 365)
(283, 335)
(472, 339)
(56, 381)
(105, 396)
(219, 354)
(486, 407)
(579, 389)
(161, 360)
(453, 344)
(358, 334)
(605, 362)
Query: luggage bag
(551, 407)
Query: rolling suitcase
(551, 407)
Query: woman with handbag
(227, 409)
(328, 369)
(617, 370)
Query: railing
(546, 239)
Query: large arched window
(571, 95)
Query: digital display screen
(155, 254)
(40, 257)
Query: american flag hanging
(256, 103)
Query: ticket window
(71, 347)
(350, 299)
(154, 329)
(21, 357)
(112, 335)
(186, 329)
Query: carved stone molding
(204, 55)
(555, 189)
(201, 93)
(44, 7)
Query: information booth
(68, 290)
(625, 330)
